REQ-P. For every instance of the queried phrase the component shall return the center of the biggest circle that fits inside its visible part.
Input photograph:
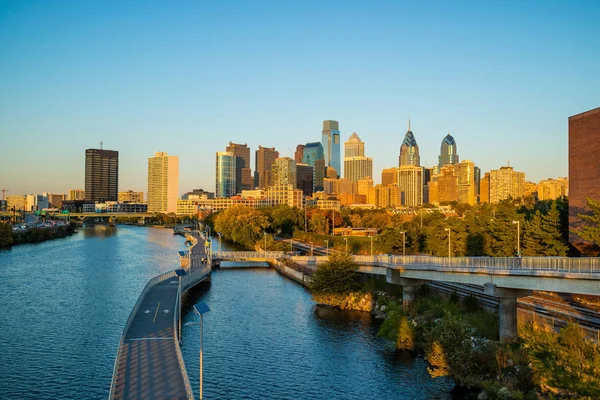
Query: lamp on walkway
(403, 243)
(200, 309)
(518, 237)
(180, 274)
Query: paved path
(149, 364)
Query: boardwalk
(149, 363)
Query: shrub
(337, 275)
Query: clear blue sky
(188, 77)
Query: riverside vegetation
(460, 339)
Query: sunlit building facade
(226, 176)
(409, 151)
(448, 153)
(330, 140)
(506, 183)
(163, 183)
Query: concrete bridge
(149, 364)
(505, 278)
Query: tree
(553, 239)
(6, 235)
(591, 228)
(532, 236)
(338, 275)
(319, 223)
(242, 224)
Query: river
(65, 302)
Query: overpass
(505, 278)
(149, 364)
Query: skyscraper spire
(409, 123)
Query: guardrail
(152, 282)
(237, 255)
(176, 317)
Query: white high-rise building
(163, 183)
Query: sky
(188, 77)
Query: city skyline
(145, 80)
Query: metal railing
(241, 255)
(176, 317)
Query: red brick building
(584, 172)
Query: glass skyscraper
(409, 151)
(226, 174)
(331, 145)
(448, 153)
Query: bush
(337, 275)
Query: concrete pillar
(408, 286)
(408, 297)
(507, 310)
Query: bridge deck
(149, 364)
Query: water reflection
(97, 231)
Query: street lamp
(346, 239)
(180, 273)
(449, 240)
(200, 309)
(518, 237)
(403, 243)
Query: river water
(65, 302)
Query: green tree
(338, 275)
(533, 236)
(242, 224)
(319, 223)
(590, 231)
(553, 239)
(6, 235)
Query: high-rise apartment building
(356, 165)
(131, 197)
(331, 144)
(299, 154)
(283, 172)
(243, 173)
(76, 194)
(410, 182)
(163, 183)
(448, 153)
(551, 189)
(584, 173)
(465, 172)
(506, 182)
(304, 178)
(389, 176)
(263, 163)
(226, 177)
(409, 151)
(388, 196)
(101, 175)
(447, 184)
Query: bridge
(149, 364)
(505, 278)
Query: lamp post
(265, 232)
(200, 309)
(346, 239)
(180, 274)
(403, 243)
(371, 246)
(449, 240)
(518, 237)
(326, 246)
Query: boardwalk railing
(245, 255)
(176, 317)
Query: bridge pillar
(507, 310)
(408, 286)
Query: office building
(55, 200)
(283, 172)
(506, 183)
(17, 202)
(484, 188)
(35, 202)
(584, 173)
(312, 154)
(226, 177)
(410, 182)
(163, 183)
(389, 176)
(299, 154)
(388, 196)
(477, 174)
(101, 175)
(131, 197)
(447, 184)
(448, 153)
(263, 163)
(304, 178)
(319, 175)
(465, 172)
(409, 151)
(198, 194)
(331, 144)
(356, 165)
(243, 173)
(76, 194)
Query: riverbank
(37, 235)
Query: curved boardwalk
(149, 363)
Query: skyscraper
(331, 144)
(356, 165)
(243, 173)
(584, 173)
(226, 174)
(448, 153)
(283, 172)
(465, 171)
(312, 155)
(263, 162)
(299, 154)
(409, 151)
(163, 183)
(101, 175)
(304, 178)
(410, 182)
(484, 188)
(389, 176)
